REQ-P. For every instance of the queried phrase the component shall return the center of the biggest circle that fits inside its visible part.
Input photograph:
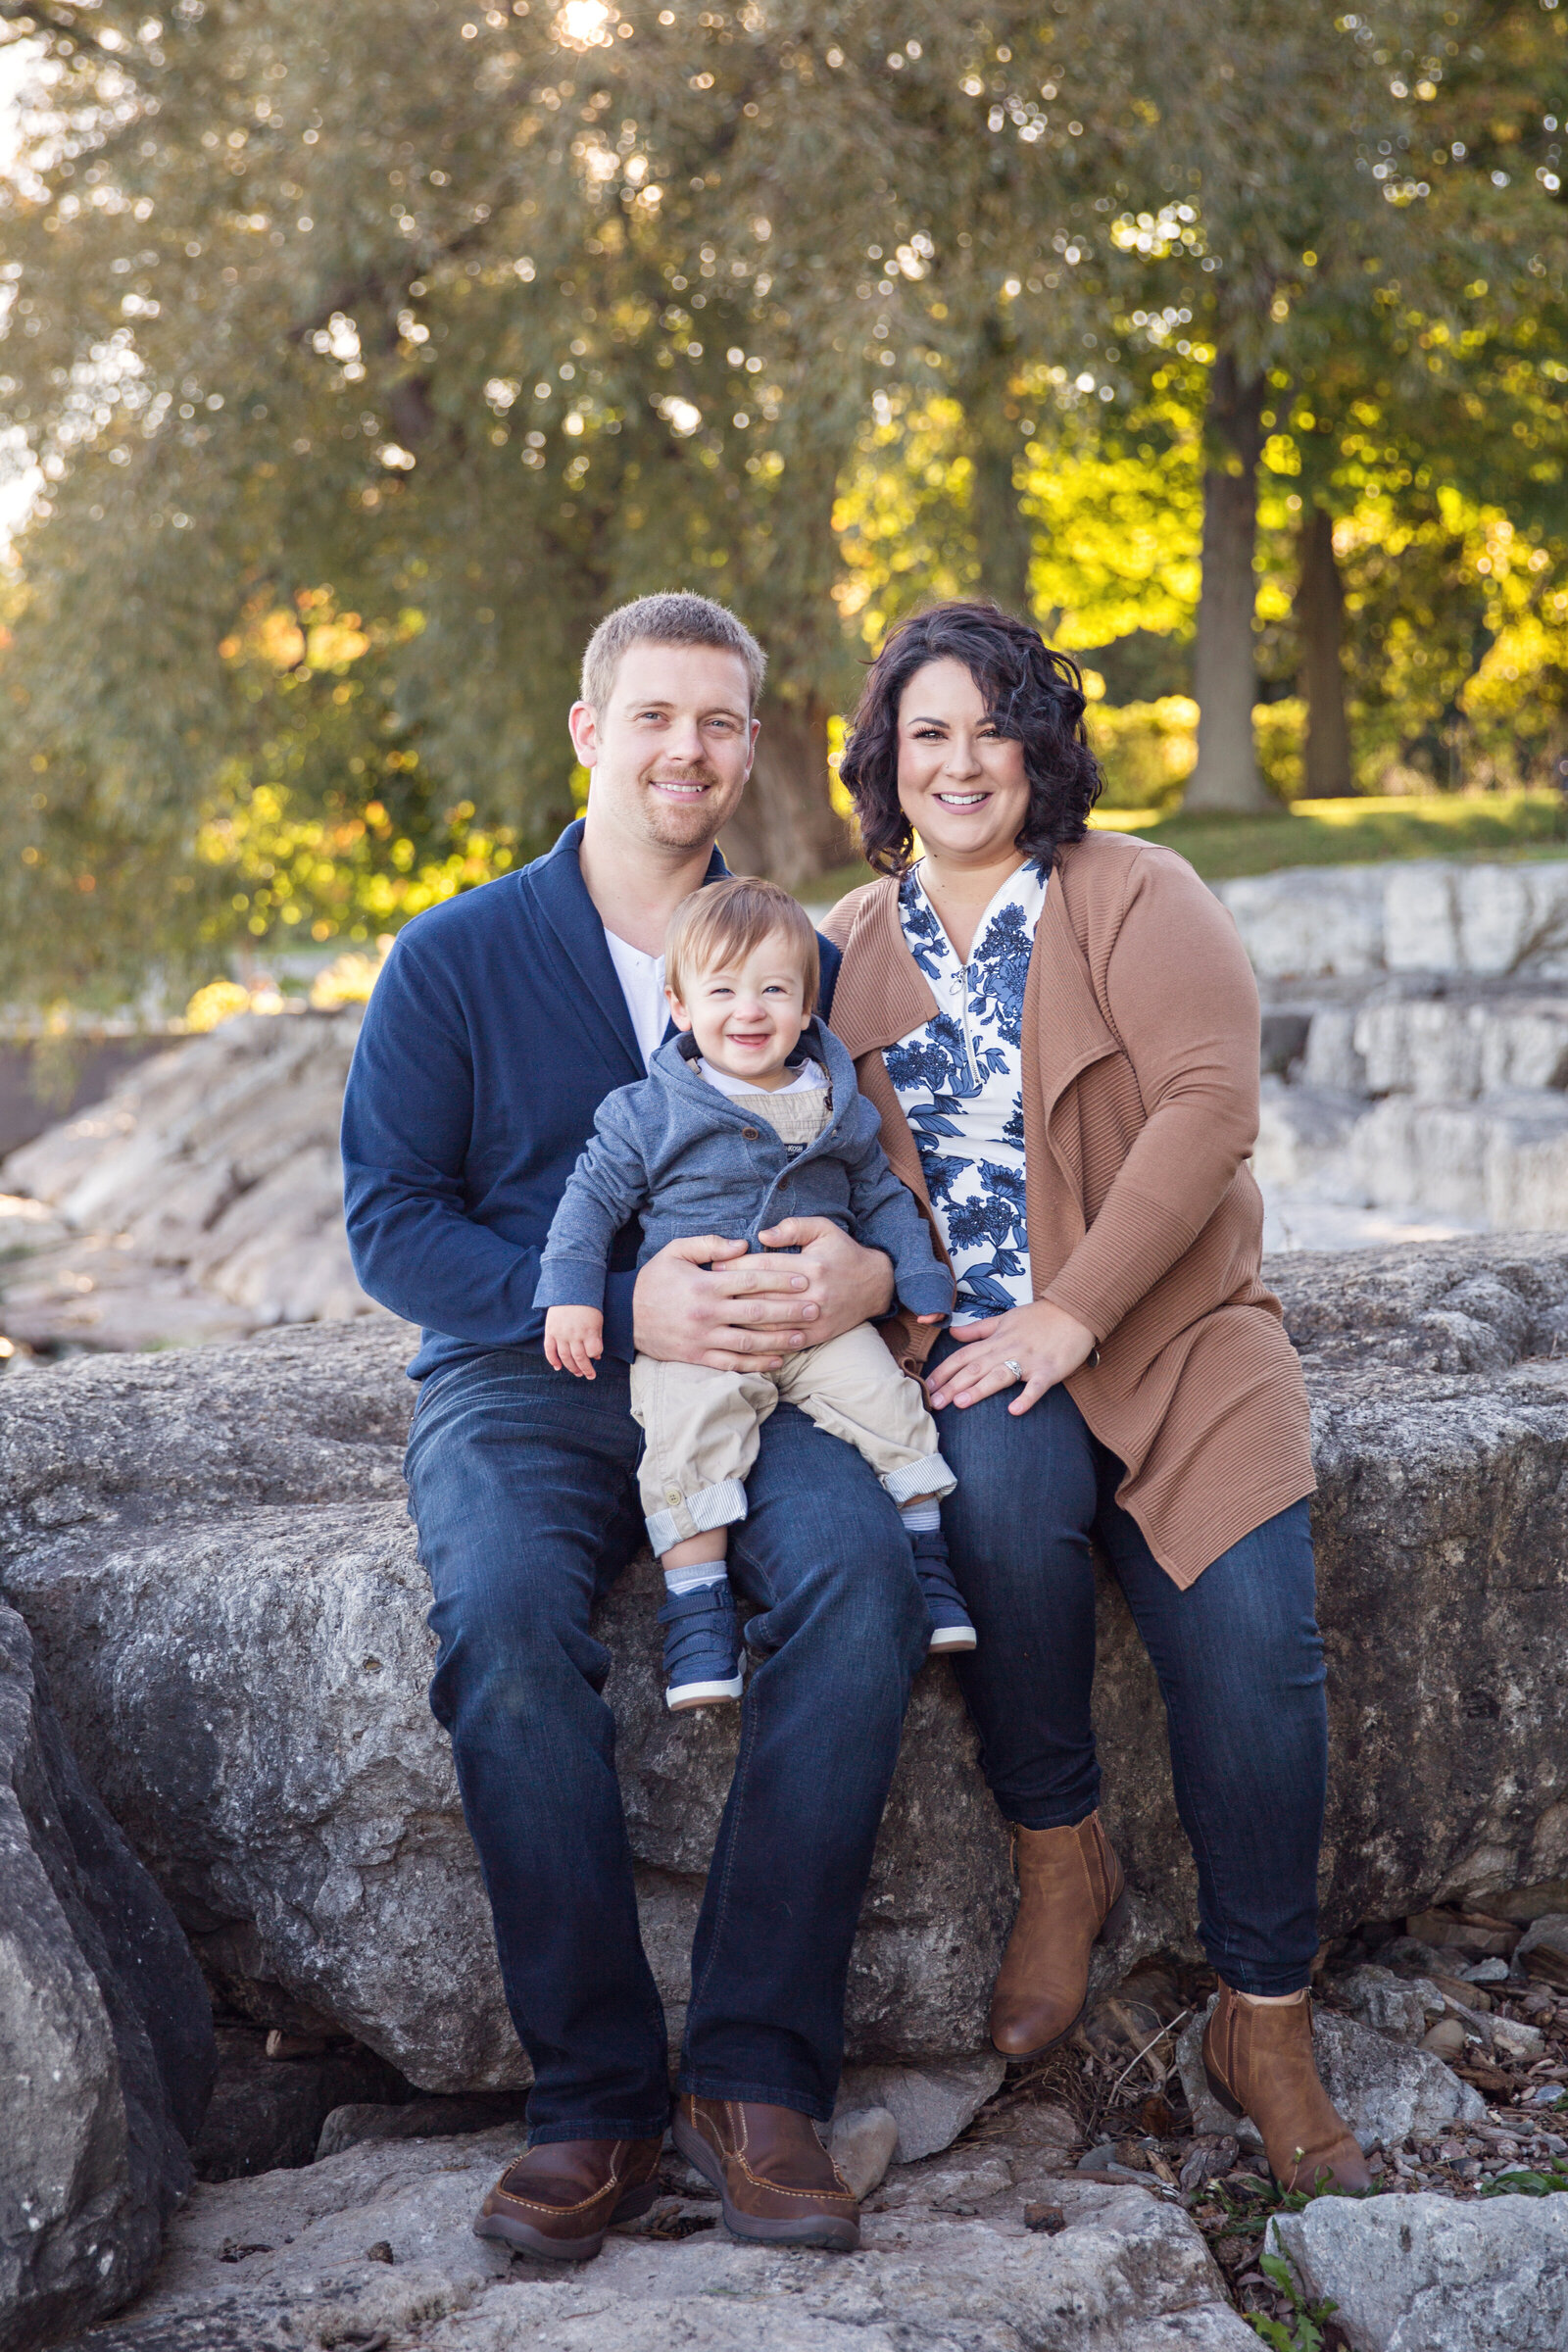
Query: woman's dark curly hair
(1033, 695)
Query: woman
(1060, 1031)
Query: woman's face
(962, 785)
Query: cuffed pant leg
(521, 1488)
(852, 1387)
(842, 1629)
(1240, 1662)
(701, 1430)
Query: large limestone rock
(249, 1683)
(1500, 1161)
(1303, 921)
(1427, 2273)
(212, 1550)
(1425, 915)
(201, 1199)
(106, 2039)
(375, 2246)
(1460, 1045)
(1444, 1100)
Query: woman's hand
(1045, 1341)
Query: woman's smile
(962, 783)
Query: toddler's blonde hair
(726, 919)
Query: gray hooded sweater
(689, 1159)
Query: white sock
(921, 1515)
(701, 1573)
(1272, 2001)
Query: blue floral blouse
(960, 1079)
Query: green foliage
(1118, 514)
(1550, 2182)
(461, 343)
(1302, 2331)
(370, 354)
(1145, 751)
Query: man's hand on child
(573, 1337)
(850, 1283)
(706, 1300)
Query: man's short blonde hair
(674, 618)
(725, 920)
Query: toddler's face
(746, 1015)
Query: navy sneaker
(951, 1623)
(701, 1648)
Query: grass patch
(1357, 832)
(828, 889)
(1440, 824)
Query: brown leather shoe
(1260, 2063)
(1070, 1888)
(776, 2181)
(560, 2198)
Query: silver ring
(1016, 1369)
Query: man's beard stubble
(677, 826)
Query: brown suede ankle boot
(1259, 2062)
(1069, 1884)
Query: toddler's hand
(573, 1337)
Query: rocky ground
(1085, 2206)
(1487, 1995)
(372, 2247)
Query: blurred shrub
(349, 979)
(219, 1001)
(1146, 749)
(1279, 730)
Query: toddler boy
(751, 1115)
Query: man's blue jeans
(1239, 1657)
(521, 1487)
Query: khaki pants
(702, 1429)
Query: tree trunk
(1319, 625)
(1226, 779)
(787, 827)
(1004, 541)
(1001, 537)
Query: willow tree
(469, 328)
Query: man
(500, 1023)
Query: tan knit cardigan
(1140, 1110)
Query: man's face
(671, 751)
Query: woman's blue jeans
(1238, 1658)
